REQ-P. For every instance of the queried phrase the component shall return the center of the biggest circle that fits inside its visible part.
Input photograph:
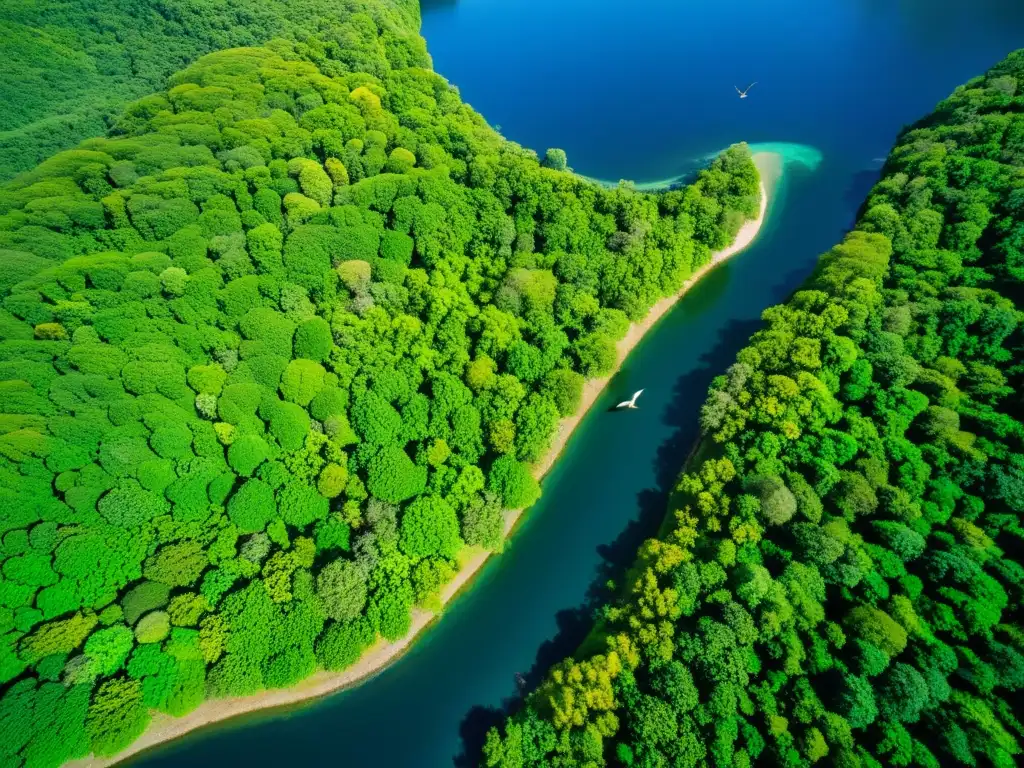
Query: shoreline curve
(164, 728)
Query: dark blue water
(637, 90)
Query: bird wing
(637, 394)
(624, 404)
(738, 90)
(751, 86)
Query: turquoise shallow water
(793, 156)
(640, 90)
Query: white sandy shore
(166, 728)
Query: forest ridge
(71, 66)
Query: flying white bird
(631, 403)
(743, 94)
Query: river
(638, 90)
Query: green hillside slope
(70, 66)
(840, 578)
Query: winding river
(639, 90)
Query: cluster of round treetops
(273, 353)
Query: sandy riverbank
(166, 728)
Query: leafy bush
(313, 340)
(153, 627)
(430, 527)
(246, 453)
(513, 483)
(392, 476)
(143, 598)
(253, 506)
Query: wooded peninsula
(276, 353)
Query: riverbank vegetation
(272, 354)
(840, 577)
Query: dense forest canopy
(70, 66)
(273, 353)
(840, 578)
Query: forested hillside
(70, 66)
(840, 577)
(272, 354)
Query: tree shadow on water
(689, 391)
(426, 6)
(857, 190)
(573, 626)
(474, 728)
(615, 384)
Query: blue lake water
(639, 90)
